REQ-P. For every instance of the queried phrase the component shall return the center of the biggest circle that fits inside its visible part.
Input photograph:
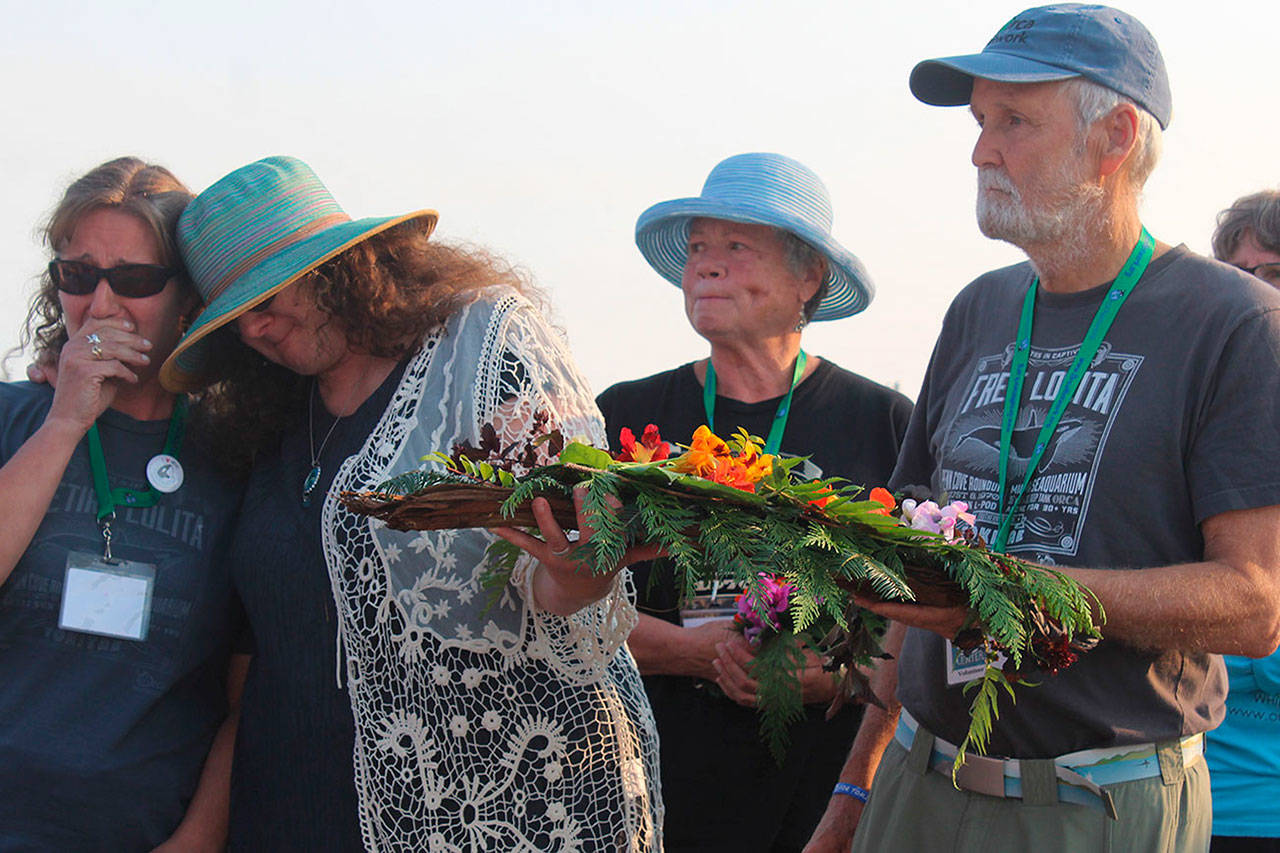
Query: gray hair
(1256, 215)
(801, 258)
(1093, 101)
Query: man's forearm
(1227, 604)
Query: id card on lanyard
(102, 594)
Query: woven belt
(1077, 776)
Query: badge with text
(111, 598)
(963, 667)
(164, 473)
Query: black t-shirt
(715, 770)
(293, 786)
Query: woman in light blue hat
(454, 720)
(756, 262)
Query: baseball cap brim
(948, 82)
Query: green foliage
(576, 453)
(776, 669)
(500, 562)
(530, 488)
(608, 541)
(412, 482)
(983, 711)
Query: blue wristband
(859, 794)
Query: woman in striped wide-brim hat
(756, 262)
(451, 718)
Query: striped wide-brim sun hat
(760, 189)
(252, 234)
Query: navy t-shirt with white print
(102, 740)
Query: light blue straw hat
(760, 189)
(252, 234)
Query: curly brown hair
(385, 294)
(144, 190)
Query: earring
(802, 322)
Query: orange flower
(883, 497)
(703, 452)
(709, 457)
(650, 449)
(824, 497)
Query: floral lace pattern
(483, 723)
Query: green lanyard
(109, 498)
(774, 441)
(1107, 311)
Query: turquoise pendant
(309, 484)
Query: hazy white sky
(543, 130)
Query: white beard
(1075, 208)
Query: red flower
(650, 449)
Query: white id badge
(963, 667)
(111, 598)
(708, 606)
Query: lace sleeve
(532, 373)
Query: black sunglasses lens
(129, 280)
(74, 277)
(137, 280)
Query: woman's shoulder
(17, 398)
(649, 387)
(840, 382)
(485, 305)
(23, 406)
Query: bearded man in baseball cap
(1111, 408)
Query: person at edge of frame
(1154, 480)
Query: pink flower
(775, 595)
(930, 517)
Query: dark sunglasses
(132, 281)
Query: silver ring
(564, 553)
(96, 352)
(93, 338)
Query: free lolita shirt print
(1056, 503)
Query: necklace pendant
(309, 484)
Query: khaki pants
(917, 810)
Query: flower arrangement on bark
(722, 509)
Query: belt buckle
(981, 775)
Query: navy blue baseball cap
(1058, 42)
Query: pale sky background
(543, 130)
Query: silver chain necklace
(313, 476)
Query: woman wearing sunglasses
(458, 717)
(116, 610)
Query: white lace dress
(484, 729)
